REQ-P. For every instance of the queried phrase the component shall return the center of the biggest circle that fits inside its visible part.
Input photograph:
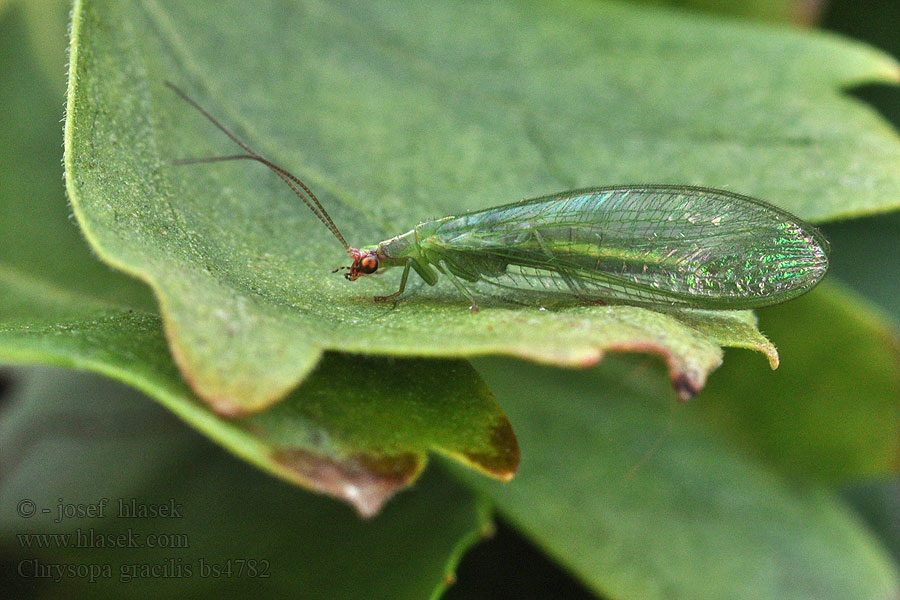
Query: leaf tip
(772, 354)
(591, 358)
(686, 388)
(687, 380)
(502, 460)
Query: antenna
(292, 181)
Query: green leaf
(395, 114)
(357, 429)
(365, 438)
(866, 255)
(46, 22)
(80, 438)
(831, 413)
(642, 499)
(41, 252)
(878, 501)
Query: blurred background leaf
(642, 499)
(831, 413)
(76, 438)
(866, 252)
(878, 501)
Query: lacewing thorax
(645, 245)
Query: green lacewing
(644, 245)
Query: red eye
(368, 265)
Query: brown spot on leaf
(684, 387)
(504, 460)
(686, 383)
(366, 482)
